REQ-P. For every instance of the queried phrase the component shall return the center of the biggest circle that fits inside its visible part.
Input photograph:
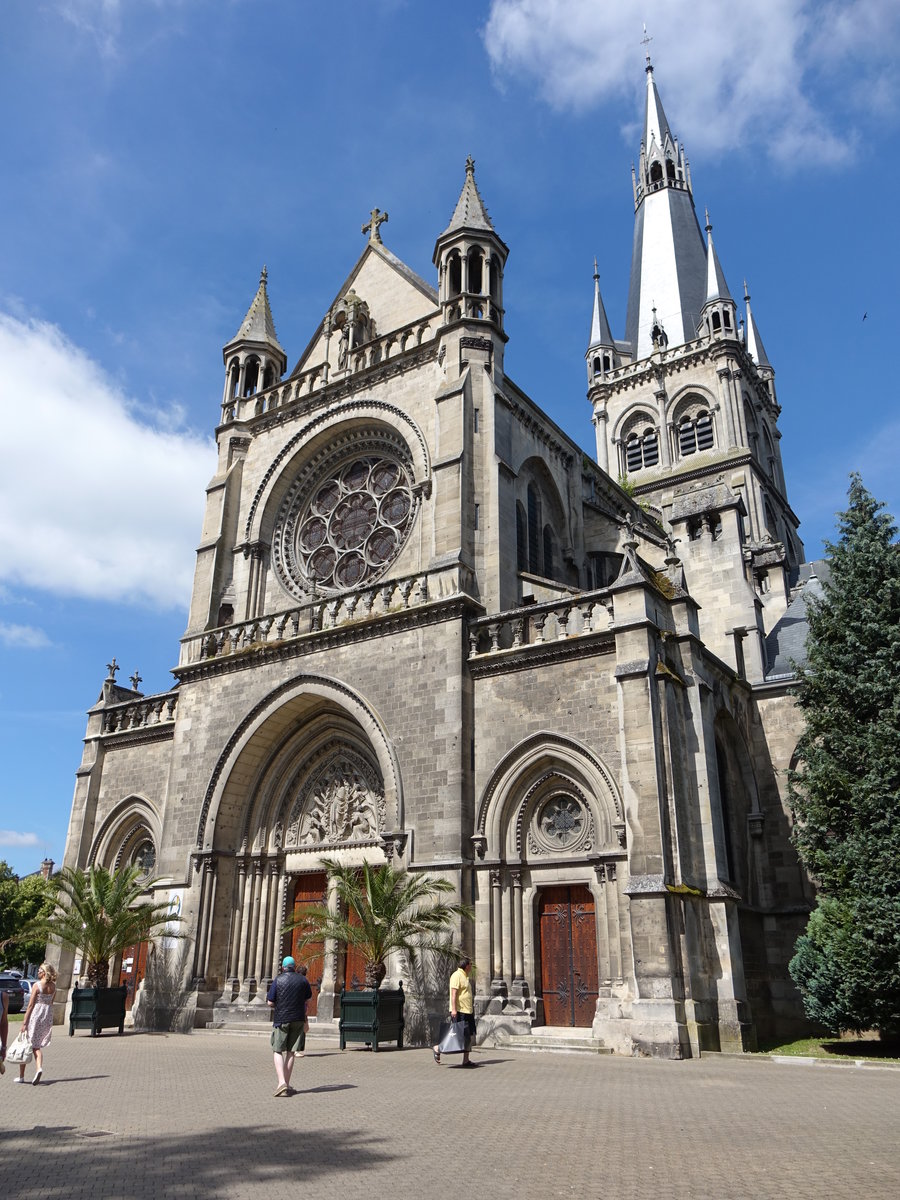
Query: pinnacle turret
(755, 348)
(254, 358)
(601, 351)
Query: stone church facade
(426, 628)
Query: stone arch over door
(550, 822)
(310, 773)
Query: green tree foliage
(22, 903)
(383, 909)
(846, 787)
(100, 913)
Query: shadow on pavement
(88, 1162)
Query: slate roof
(786, 644)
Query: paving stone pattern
(194, 1117)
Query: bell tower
(254, 358)
(685, 410)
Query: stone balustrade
(140, 714)
(538, 624)
(328, 613)
(379, 350)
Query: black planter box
(97, 1009)
(372, 1017)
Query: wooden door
(309, 890)
(567, 929)
(133, 970)
(354, 964)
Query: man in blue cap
(287, 995)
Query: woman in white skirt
(38, 1023)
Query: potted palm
(100, 912)
(381, 910)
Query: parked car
(26, 985)
(12, 985)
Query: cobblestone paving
(157, 1116)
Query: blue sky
(156, 153)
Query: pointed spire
(601, 335)
(755, 348)
(716, 287)
(656, 127)
(258, 325)
(470, 212)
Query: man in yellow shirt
(462, 1008)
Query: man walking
(287, 995)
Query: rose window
(348, 526)
(562, 820)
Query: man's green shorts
(288, 1039)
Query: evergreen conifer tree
(846, 787)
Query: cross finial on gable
(376, 218)
(112, 667)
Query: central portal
(567, 929)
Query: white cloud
(25, 637)
(752, 73)
(94, 502)
(9, 837)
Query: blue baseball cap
(288, 962)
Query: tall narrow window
(548, 552)
(534, 529)
(521, 538)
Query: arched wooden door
(567, 928)
(309, 890)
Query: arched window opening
(226, 614)
(534, 529)
(454, 282)
(656, 172)
(475, 271)
(727, 318)
(597, 365)
(494, 275)
(641, 449)
(607, 363)
(269, 377)
(716, 322)
(521, 538)
(695, 433)
(670, 169)
(235, 378)
(695, 529)
(251, 376)
(548, 552)
(725, 801)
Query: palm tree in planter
(100, 913)
(381, 910)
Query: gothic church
(427, 628)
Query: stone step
(556, 1044)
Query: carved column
(280, 917)
(497, 983)
(243, 969)
(272, 919)
(237, 924)
(254, 924)
(519, 985)
(262, 914)
(207, 915)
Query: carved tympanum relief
(343, 801)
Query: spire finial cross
(371, 227)
(645, 41)
(470, 165)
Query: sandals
(436, 1055)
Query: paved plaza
(154, 1115)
